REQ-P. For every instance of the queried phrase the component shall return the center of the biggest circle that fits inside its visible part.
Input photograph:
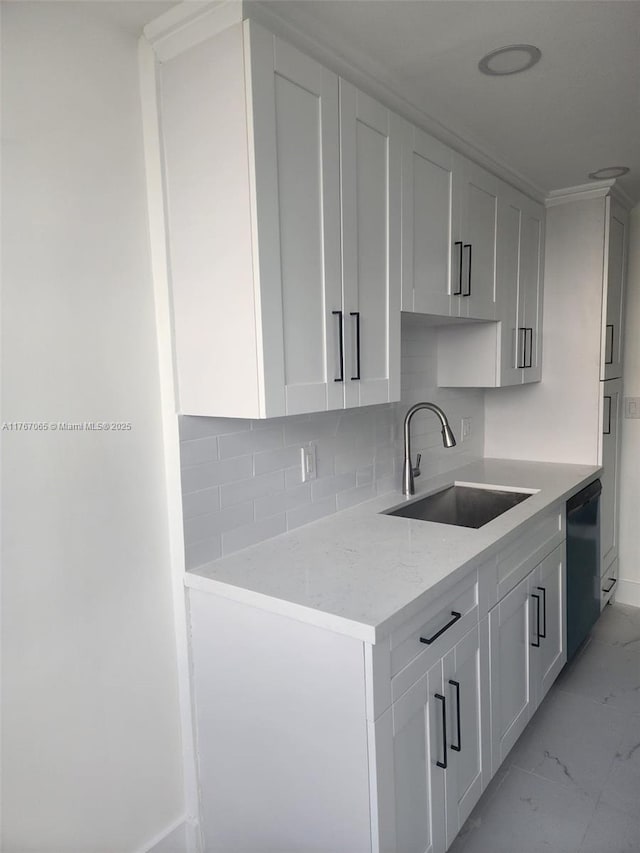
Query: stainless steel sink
(464, 506)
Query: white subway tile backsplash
(364, 476)
(327, 486)
(276, 460)
(250, 489)
(198, 450)
(290, 499)
(201, 503)
(205, 551)
(321, 425)
(242, 482)
(313, 512)
(208, 474)
(192, 427)
(350, 498)
(254, 441)
(206, 526)
(243, 537)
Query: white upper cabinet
(275, 311)
(616, 236)
(449, 231)
(478, 191)
(490, 355)
(520, 274)
(430, 225)
(370, 175)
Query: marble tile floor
(571, 784)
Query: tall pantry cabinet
(573, 414)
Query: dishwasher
(583, 565)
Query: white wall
(629, 551)
(241, 479)
(91, 739)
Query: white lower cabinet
(527, 649)
(301, 747)
(433, 767)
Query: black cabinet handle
(522, 335)
(356, 314)
(610, 359)
(458, 292)
(607, 431)
(468, 293)
(456, 684)
(443, 763)
(529, 361)
(340, 335)
(614, 581)
(543, 633)
(536, 642)
(429, 640)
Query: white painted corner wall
(629, 547)
(92, 751)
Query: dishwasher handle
(588, 494)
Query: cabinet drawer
(608, 583)
(524, 553)
(443, 622)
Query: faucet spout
(448, 440)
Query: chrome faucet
(448, 440)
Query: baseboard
(180, 837)
(628, 592)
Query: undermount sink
(463, 506)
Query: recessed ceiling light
(511, 59)
(609, 172)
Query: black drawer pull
(610, 359)
(456, 684)
(338, 314)
(429, 640)
(470, 248)
(356, 314)
(443, 763)
(536, 643)
(543, 633)
(607, 431)
(458, 292)
(614, 581)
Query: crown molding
(622, 197)
(582, 192)
(194, 21)
(295, 26)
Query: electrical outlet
(465, 429)
(308, 462)
(632, 407)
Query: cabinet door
(611, 408)
(297, 197)
(548, 585)
(479, 209)
(466, 685)
(530, 292)
(511, 352)
(430, 244)
(371, 190)
(411, 801)
(512, 692)
(615, 272)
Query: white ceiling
(577, 111)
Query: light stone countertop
(361, 573)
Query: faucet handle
(416, 470)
